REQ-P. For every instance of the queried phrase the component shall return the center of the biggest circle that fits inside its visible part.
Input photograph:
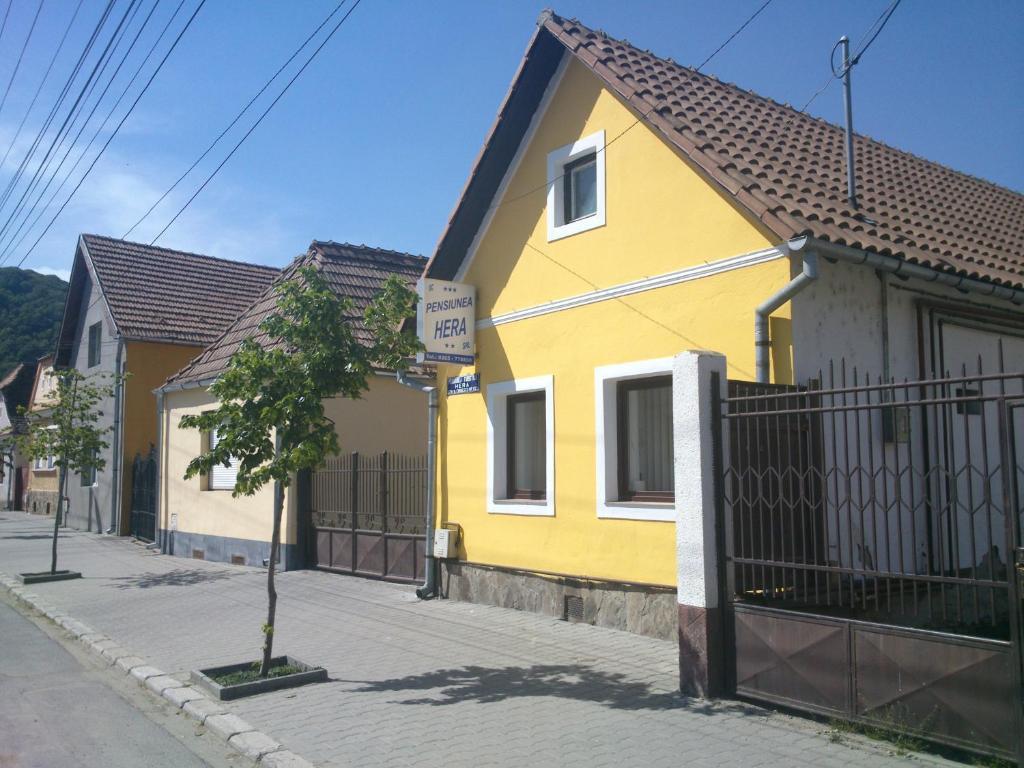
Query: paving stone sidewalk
(414, 683)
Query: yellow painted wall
(388, 417)
(149, 365)
(661, 216)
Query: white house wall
(837, 324)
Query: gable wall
(661, 217)
(90, 507)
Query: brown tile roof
(353, 271)
(783, 166)
(156, 294)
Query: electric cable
(71, 113)
(53, 59)
(74, 141)
(131, 109)
(99, 130)
(88, 119)
(259, 120)
(238, 117)
(21, 55)
(16, 177)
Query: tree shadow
(180, 577)
(487, 685)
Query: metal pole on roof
(851, 173)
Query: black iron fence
(143, 507)
(873, 556)
(882, 500)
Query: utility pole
(851, 173)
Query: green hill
(31, 307)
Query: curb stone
(236, 732)
(227, 725)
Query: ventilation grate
(573, 608)
(198, 554)
(238, 559)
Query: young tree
(271, 416)
(70, 433)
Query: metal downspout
(762, 340)
(115, 496)
(429, 588)
(163, 533)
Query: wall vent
(573, 608)
(238, 559)
(198, 554)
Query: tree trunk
(275, 543)
(56, 519)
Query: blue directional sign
(463, 385)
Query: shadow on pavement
(487, 685)
(180, 577)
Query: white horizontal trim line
(699, 272)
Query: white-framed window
(222, 478)
(635, 462)
(521, 447)
(95, 342)
(576, 187)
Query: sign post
(446, 321)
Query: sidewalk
(415, 683)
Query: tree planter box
(203, 678)
(45, 576)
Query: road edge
(256, 745)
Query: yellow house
(199, 518)
(624, 210)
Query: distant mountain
(31, 307)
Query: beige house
(42, 487)
(199, 517)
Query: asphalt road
(62, 708)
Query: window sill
(532, 507)
(576, 226)
(654, 511)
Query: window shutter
(222, 478)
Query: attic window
(576, 187)
(95, 337)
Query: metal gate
(143, 511)
(367, 516)
(873, 551)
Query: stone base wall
(36, 502)
(644, 610)
(224, 549)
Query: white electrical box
(444, 540)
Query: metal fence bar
(873, 498)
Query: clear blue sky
(374, 143)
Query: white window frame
(497, 447)
(606, 429)
(557, 160)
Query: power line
(42, 82)
(238, 117)
(21, 55)
(72, 115)
(99, 130)
(12, 183)
(259, 120)
(85, 124)
(96, 159)
(3, 24)
(873, 31)
(729, 39)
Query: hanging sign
(464, 385)
(446, 321)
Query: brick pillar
(701, 636)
